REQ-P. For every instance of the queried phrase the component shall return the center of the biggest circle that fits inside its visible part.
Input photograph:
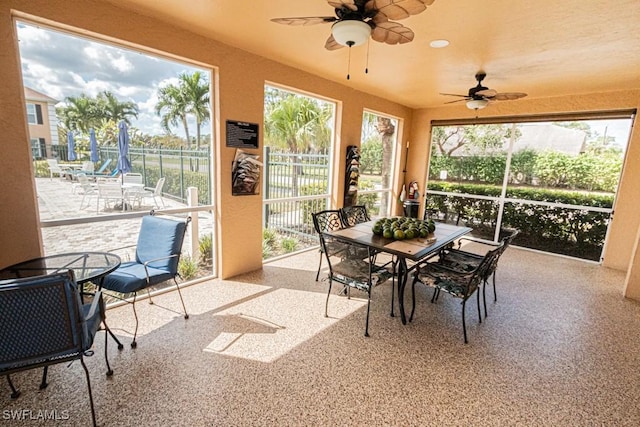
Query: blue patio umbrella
(124, 165)
(93, 145)
(72, 146)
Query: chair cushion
(460, 260)
(92, 325)
(445, 283)
(160, 237)
(131, 277)
(355, 273)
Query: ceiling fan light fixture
(477, 104)
(439, 43)
(351, 32)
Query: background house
(42, 121)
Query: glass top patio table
(414, 249)
(86, 266)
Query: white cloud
(121, 64)
(32, 35)
(62, 65)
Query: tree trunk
(197, 134)
(293, 148)
(186, 131)
(386, 129)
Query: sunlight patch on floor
(199, 299)
(269, 326)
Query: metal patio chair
(156, 260)
(458, 283)
(327, 220)
(347, 266)
(44, 322)
(352, 215)
(467, 261)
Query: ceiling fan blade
(397, 9)
(305, 20)
(487, 93)
(332, 44)
(392, 33)
(379, 18)
(455, 94)
(457, 100)
(509, 96)
(349, 4)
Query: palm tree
(80, 113)
(195, 90)
(297, 123)
(172, 108)
(112, 109)
(189, 97)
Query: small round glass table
(86, 266)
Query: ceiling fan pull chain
(366, 68)
(349, 64)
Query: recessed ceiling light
(437, 44)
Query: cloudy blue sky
(60, 65)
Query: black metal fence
(296, 184)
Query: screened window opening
(554, 181)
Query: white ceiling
(543, 48)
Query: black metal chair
(347, 266)
(458, 283)
(327, 220)
(157, 258)
(467, 261)
(352, 215)
(44, 322)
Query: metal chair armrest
(94, 304)
(146, 263)
(158, 259)
(444, 269)
(477, 240)
(121, 247)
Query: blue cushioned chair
(157, 257)
(44, 322)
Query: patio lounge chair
(153, 192)
(86, 188)
(44, 322)
(101, 170)
(111, 194)
(157, 258)
(54, 168)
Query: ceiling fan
(479, 96)
(357, 20)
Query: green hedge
(588, 171)
(573, 232)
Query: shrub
(289, 244)
(270, 236)
(569, 231)
(266, 250)
(205, 248)
(187, 268)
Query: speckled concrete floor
(559, 348)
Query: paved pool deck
(57, 200)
